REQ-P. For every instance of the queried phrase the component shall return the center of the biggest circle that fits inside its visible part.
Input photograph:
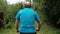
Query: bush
(52, 9)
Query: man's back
(27, 17)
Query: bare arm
(38, 26)
(17, 25)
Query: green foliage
(3, 5)
(38, 5)
(9, 12)
(52, 10)
(3, 9)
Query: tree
(52, 9)
(3, 9)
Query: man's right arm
(17, 25)
(17, 21)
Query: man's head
(27, 4)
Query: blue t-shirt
(27, 16)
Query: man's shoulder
(20, 10)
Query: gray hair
(27, 4)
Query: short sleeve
(17, 17)
(37, 18)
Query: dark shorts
(27, 33)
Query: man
(26, 18)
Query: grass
(45, 29)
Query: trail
(45, 29)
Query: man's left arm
(37, 18)
(38, 26)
